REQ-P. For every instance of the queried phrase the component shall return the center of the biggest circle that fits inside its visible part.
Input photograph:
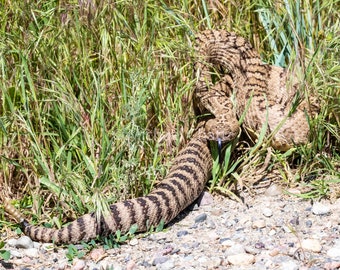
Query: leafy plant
(115, 240)
(4, 254)
(74, 252)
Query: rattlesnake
(259, 89)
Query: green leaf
(133, 229)
(5, 254)
(160, 226)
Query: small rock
(31, 252)
(200, 218)
(202, 259)
(311, 245)
(251, 250)
(182, 233)
(131, 265)
(166, 250)
(267, 212)
(216, 212)
(226, 242)
(334, 252)
(12, 242)
(96, 254)
(78, 265)
(159, 260)
(61, 265)
(332, 265)
(241, 259)
(273, 190)
(289, 265)
(133, 242)
(213, 263)
(260, 245)
(287, 229)
(272, 232)
(235, 249)
(258, 224)
(16, 254)
(166, 266)
(24, 242)
(212, 235)
(294, 221)
(309, 223)
(211, 224)
(320, 209)
(205, 199)
(291, 244)
(274, 252)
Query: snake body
(259, 89)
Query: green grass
(97, 100)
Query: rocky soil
(269, 231)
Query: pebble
(235, 249)
(182, 233)
(226, 242)
(23, 242)
(267, 212)
(241, 259)
(200, 218)
(206, 199)
(166, 266)
(320, 209)
(31, 252)
(78, 265)
(273, 190)
(97, 254)
(334, 252)
(313, 245)
(332, 265)
(159, 260)
(258, 224)
(309, 223)
(133, 242)
(289, 265)
(131, 265)
(16, 254)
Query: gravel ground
(268, 231)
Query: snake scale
(243, 83)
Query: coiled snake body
(259, 90)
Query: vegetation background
(96, 97)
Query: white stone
(334, 252)
(258, 224)
(24, 242)
(267, 212)
(31, 252)
(241, 259)
(273, 190)
(320, 209)
(313, 245)
(133, 242)
(289, 265)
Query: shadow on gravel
(7, 265)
